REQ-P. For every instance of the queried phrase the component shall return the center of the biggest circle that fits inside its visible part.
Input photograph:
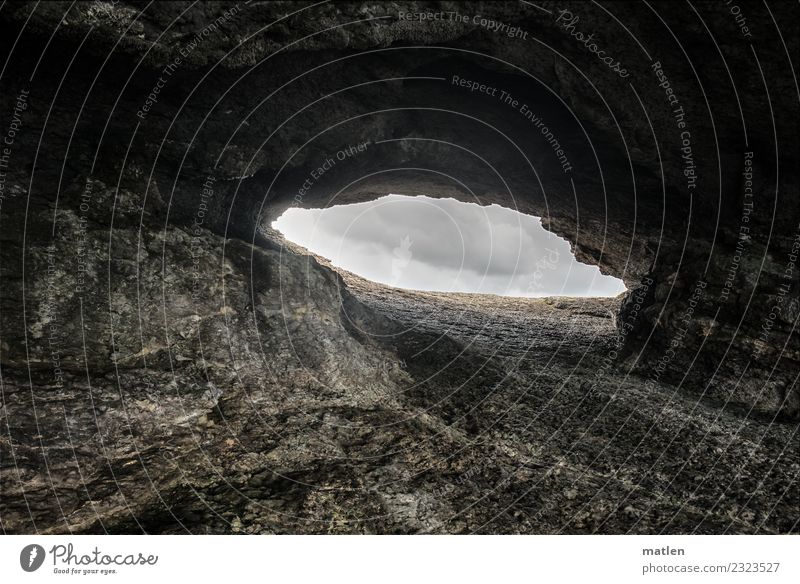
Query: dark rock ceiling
(146, 306)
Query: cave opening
(445, 245)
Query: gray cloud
(446, 245)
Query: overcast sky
(446, 245)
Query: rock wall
(147, 149)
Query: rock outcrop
(169, 364)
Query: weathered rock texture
(169, 365)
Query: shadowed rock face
(169, 364)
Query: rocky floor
(572, 445)
(286, 398)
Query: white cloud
(446, 245)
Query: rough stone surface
(169, 365)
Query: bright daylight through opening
(444, 245)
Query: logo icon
(31, 557)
